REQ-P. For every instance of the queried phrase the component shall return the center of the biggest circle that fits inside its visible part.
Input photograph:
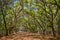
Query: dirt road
(24, 36)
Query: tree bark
(3, 10)
(52, 26)
(4, 22)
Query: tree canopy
(38, 16)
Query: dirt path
(22, 36)
(25, 36)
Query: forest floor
(27, 36)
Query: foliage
(33, 15)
